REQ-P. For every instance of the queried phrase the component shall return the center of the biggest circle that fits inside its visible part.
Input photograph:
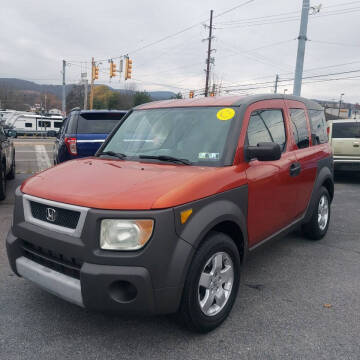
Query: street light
(341, 95)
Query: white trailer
(33, 124)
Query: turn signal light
(71, 145)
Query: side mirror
(264, 151)
(11, 133)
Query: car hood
(130, 185)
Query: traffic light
(191, 94)
(95, 72)
(112, 69)
(128, 68)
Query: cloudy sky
(253, 43)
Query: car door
(60, 139)
(271, 194)
(5, 145)
(345, 140)
(307, 154)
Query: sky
(253, 41)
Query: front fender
(207, 213)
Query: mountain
(12, 84)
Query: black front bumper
(149, 280)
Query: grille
(66, 265)
(62, 217)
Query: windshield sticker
(209, 156)
(225, 114)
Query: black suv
(7, 157)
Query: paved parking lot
(298, 300)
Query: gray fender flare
(324, 175)
(210, 215)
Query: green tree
(178, 96)
(141, 97)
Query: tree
(141, 97)
(75, 98)
(178, 96)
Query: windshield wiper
(120, 156)
(166, 158)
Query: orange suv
(165, 214)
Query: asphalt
(299, 299)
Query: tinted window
(28, 124)
(2, 133)
(266, 126)
(57, 124)
(97, 123)
(299, 127)
(346, 130)
(196, 134)
(318, 126)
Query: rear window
(346, 130)
(95, 123)
(318, 126)
(299, 127)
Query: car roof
(99, 111)
(225, 101)
(103, 111)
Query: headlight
(125, 234)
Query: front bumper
(149, 280)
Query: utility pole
(208, 60)
(301, 47)
(341, 95)
(92, 84)
(63, 89)
(276, 83)
(85, 93)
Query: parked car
(83, 131)
(344, 137)
(165, 214)
(7, 159)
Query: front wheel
(318, 225)
(211, 286)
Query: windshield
(195, 134)
(346, 130)
(98, 123)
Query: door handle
(295, 169)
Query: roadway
(298, 300)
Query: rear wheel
(318, 225)
(2, 182)
(212, 283)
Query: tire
(2, 182)
(316, 229)
(195, 311)
(11, 174)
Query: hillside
(25, 86)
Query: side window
(299, 128)
(2, 134)
(266, 126)
(318, 127)
(28, 125)
(64, 126)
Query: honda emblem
(50, 214)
